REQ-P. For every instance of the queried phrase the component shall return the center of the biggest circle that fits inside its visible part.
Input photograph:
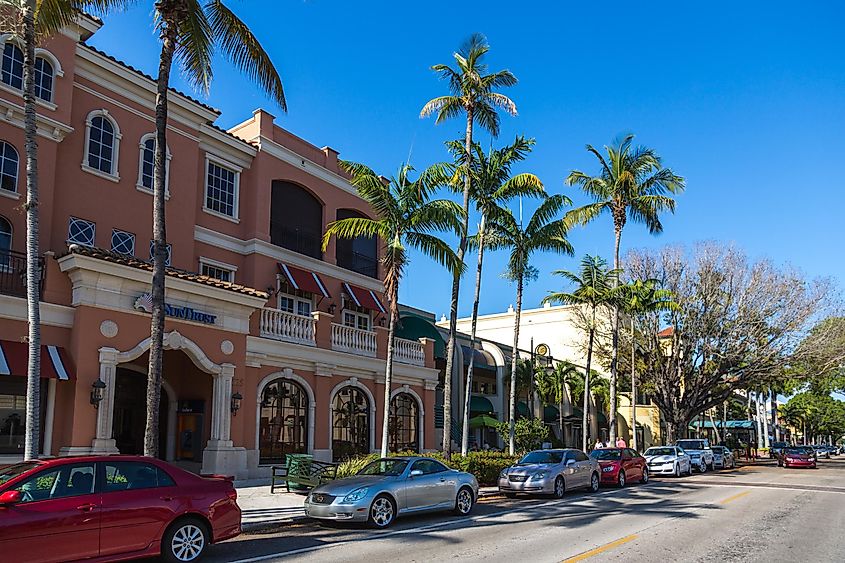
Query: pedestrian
(620, 442)
(599, 445)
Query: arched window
(102, 145)
(43, 79)
(359, 254)
(5, 245)
(12, 72)
(350, 423)
(403, 423)
(283, 424)
(146, 164)
(296, 219)
(9, 162)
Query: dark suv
(776, 449)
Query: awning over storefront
(747, 424)
(364, 297)
(55, 361)
(551, 414)
(304, 280)
(481, 358)
(480, 405)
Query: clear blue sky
(746, 102)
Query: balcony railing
(297, 239)
(357, 262)
(281, 325)
(353, 340)
(409, 351)
(13, 273)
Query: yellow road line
(601, 549)
(733, 498)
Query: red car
(111, 508)
(798, 456)
(621, 465)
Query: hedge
(486, 466)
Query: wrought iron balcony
(13, 273)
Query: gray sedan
(550, 472)
(392, 486)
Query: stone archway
(219, 455)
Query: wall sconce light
(381, 321)
(332, 308)
(97, 390)
(236, 403)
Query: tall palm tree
(492, 187)
(543, 232)
(190, 32)
(594, 289)
(471, 93)
(642, 297)
(632, 185)
(552, 387)
(32, 21)
(406, 217)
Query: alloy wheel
(594, 483)
(703, 467)
(188, 542)
(560, 487)
(464, 501)
(381, 512)
(644, 479)
(621, 479)
(677, 470)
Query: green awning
(483, 421)
(747, 424)
(480, 405)
(551, 414)
(522, 409)
(413, 327)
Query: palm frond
(194, 46)
(437, 249)
(547, 210)
(354, 227)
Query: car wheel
(382, 512)
(594, 483)
(703, 467)
(689, 469)
(464, 501)
(620, 479)
(560, 487)
(184, 540)
(677, 472)
(644, 478)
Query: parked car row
(805, 455)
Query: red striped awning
(364, 297)
(55, 361)
(304, 280)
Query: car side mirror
(10, 497)
(416, 472)
(570, 461)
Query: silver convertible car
(550, 472)
(389, 487)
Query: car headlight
(607, 469)
(503, 474)
(540, 475)
(355, 495)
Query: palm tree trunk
(388, 371)
(633, 388)
(33, 254)
(476, 298)
(168, 47)
(453, 309)
(514, 357)
(586, 413)
(614, 361)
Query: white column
(103, 442)
(49, 416)
(221, 414)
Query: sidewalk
(262, 510)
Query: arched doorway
(350, 423)
(130, 413)
(403, 423)
(283, 424)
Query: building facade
(274, 345)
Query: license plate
(518, 478)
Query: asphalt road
(749, 514)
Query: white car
(723, 457)
(699, 452)
(668, 460)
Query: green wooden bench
(302, 470)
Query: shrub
(529, 433)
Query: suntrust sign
(145, 303)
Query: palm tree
(33, 21)
(632, 185)
(190, 31)
(492, 187)
(471, 92)
(552, 386)
(406, 216)
(642, 297)
(594, 289)
(542, 233)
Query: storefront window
(283, 427)
(350, 424)
(403, 423)
(13, 413)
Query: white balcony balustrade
(288, 327)
(408, 351)
(354, 340)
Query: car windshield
(691, 444)
(606, 455)
(541, 457)
(9, 473)
(779, 444)
(386, 467)
(801, 450)
(660, 451)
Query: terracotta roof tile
(133, 262)
(666, 332)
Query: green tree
(405, 218)
(526, 434)
(552, 387)
(543, 232)
(190, 32)
(595, 287)
(32, 21)
(492, 186)
(471, 92)
(632, 185)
